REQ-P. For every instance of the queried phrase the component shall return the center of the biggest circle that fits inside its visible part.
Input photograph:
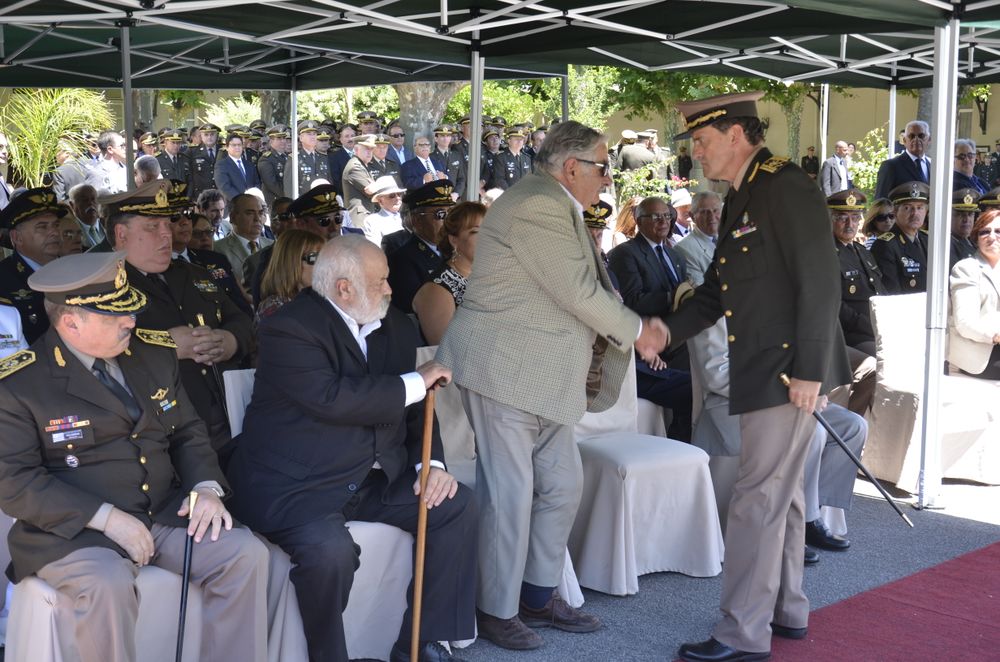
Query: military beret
(94, 281)
(596, 216)
(910, 191)
(318, 201)
(158, 198)
(965, 199)
(29, 204)
(991, 199)
(431, 194)
(850, 200)
(704, 112)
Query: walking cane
(418, 565)
(218, 375)
(854, 458)
(185, 578)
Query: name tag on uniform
(205, 286)
(910, 265)
(167, 405)
(69, 435)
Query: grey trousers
(99, 604)
(765, 532)
(829, 473)
(529, 479)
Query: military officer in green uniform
(187, 310)
(33, 221)
(311, 164)
(512, 163)
(201, 161)
(964, 209)
(272, 162)
(173, 165)
(901, 253)
(100, 448)
(775, 279)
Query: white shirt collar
(183, 254)
(576, 203)
(360, 333)
(914, 157)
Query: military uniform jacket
(961, 248)
(512, 168)
(14, 272)
(860, 280)
(192, 291)
(175, 169)
(453, 165)
(489, 170)
(310, 167)
(201, 170)
(355, 178)
(409, 268)
(903, 262)
(69, 446)
(271, 168)
(774, 278)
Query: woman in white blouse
(974, 321)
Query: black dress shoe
(713, 651)
(788, 633)
(819, 536)
(812, 557)
(430, 651)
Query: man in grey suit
(539, 339)
(698, 246)
(247, 218)
(833, 176)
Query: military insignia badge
(15, 362)
(159, 395)
(968, 199)
(153, 337)
(851, 200)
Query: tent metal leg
(128, 120)
(475, 121)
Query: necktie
(665, 261)
(427, 164)
(921, 166)
(253, 247)
(239, 164)
(131, 406)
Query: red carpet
(948, 612)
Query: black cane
(218, 376)
(185, 578)
(854, 458)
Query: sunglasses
(985, 232)
(605, 167)
(325, 221)
(966, 157)
(440, 214)
(658, 218)
(310, 258)
(880, 218)
(397, 135)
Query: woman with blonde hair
(290, 269)
(436, 300)
(625, 225)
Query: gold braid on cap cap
(45, 202)
(698, 120)
(121, 288)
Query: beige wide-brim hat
(386, 184)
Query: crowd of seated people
(300, 290)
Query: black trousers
(325, 557)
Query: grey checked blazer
(538, 299)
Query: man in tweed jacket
(540, 338)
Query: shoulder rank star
(152, 337)
(15, 362)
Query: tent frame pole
(127, 118)
(891, 143)
(293, 128)
(824, 120)
(477, 73)
(946, 42)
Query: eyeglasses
(310, 258)
(605, 167)
(423, 144)
(391, 195)
(881, 218)
(659, 218)
(911, 136)
(968, 156)
(847, 218)
(440, 214)
(397, 135)
(985, 232)
(284, 216)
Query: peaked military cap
(704, 112)
(515, 133)
(308, 125)
(431, 194)
(367, 140)
(258, 124)
(909, 192)
(491, 132)
(29, 204)
(442, 130)
(965, 199)
(850, 200)
(382, 139)
(209, 127)
(317, 201)
(158, 198)
(325, 132)
(278, 131)
(148, 138)
(173, 135)
(94, 281)
(367, 116)
(991, 199)
(596, 216)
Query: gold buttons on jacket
(724, 287)
(142, 459)
(145, 487)
(69, 447)
(732, 338)
(784, 345)
(722, 260)
(745, 249)
(135, 435)
(729, 313)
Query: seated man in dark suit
(649, 272)
(333, 434)
(912, 165)
(413, 263)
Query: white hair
(342, 257)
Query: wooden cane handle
(421, 544)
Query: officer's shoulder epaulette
(6, 302)
(886, 236)
(924, 231)
(774, 164)
(15, 362)
(267, 153)
(151, 337)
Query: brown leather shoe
(507, 632)
(558, 614)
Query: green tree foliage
(234, 110)
(511, 99)
(182, 104)
(871, 151)
(340, 104)
(40, 123)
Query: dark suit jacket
(230, 181)
(167, 450)
(644, 283)
(775, 277)
(14, 273)
(321, 415)
(193, 292)
(960, 180)
(409, 268)
(337, 161)
(895, 171)
(393, 241)
(413, 172)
